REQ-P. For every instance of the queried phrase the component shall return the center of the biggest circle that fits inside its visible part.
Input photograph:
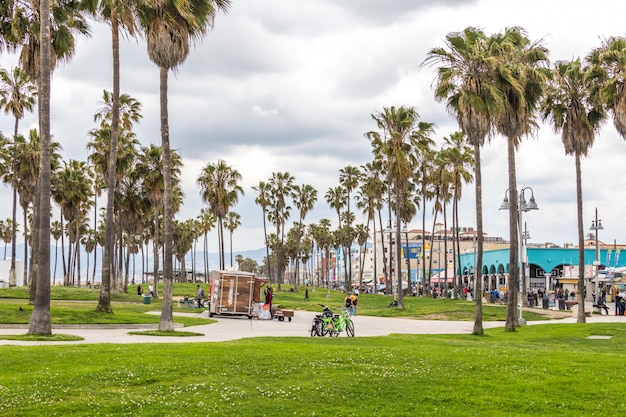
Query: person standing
(139, 289)
(151, 289)
(354, 299)
(199, 296)
(269, 296)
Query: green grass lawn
(548, 370)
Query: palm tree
(40, 319)
(373, 189)
(349, 178)
(397, 145)
(220, 189)
(460, 157)
(72, 190)
(150, 168)
(232, 222)
(206, 223)
(442, 175)
(521, 74)
(115, 108)
(263, 199)
(304, 197)
(465, 83)
(281, 185)
(569, 104)
(169, 25)
(17, 96)
(55, 230)
(27, 154)
(609, 74)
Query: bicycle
(332, 324)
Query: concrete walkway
(237, 328)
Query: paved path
(238, 328)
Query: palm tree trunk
(382, 243)
(104, 303)
(398, 257)
(26, 245)
(267, 247)
(40, 320)
(580, 294)
(511, 313)
(167, 322)
(95, 237)
(12, 281)
(478, 329)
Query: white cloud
(290, 86)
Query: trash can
(561, 303)
(147, 299)
(546, 302)
(531, 302)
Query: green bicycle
(329, 323)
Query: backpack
(202, 293)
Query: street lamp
(524, 257)
(596, 225)
(523, 206)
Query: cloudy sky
(283, 85)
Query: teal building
(546, 267)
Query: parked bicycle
(330, 323)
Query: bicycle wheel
(322, 328)
(349, 328)
(314, 328)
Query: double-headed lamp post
(596, 225)
(523, 205)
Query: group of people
(150, 289)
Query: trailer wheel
(210, 314)
(281, 319)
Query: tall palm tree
(349, 178)
(169, 26)
(304, 197)
(17, 96)
(263, 190)
(465, 82)
(115, 108)
(569, 104)
(27, 154)
(281, 184)
(220, 189)
(206, 223)
(373, 189)
(150, 168)
(232, 222)
(56, 230)
(521, 74)
(460, 157)
(397, 146)
(72, 189)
